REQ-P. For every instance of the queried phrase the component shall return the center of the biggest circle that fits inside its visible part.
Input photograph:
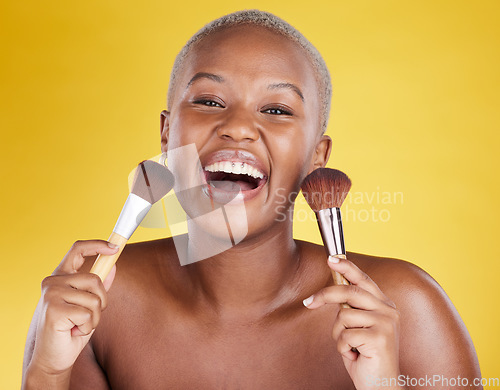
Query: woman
(247, 90)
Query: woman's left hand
(371, 326)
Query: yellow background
(415, 110)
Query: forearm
(35, 378)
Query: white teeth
(237, 168)
(227, 167)
(234, 167)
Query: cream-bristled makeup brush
(325, 190)
(152, 181)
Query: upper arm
(434, 342)
(87, 373)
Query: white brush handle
(104, 263)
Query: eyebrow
(291, 86)
(220, 79)
(205, 75)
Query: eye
(277, 111)
(208, 102)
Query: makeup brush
(152, 181)
(325, 190)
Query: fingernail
(333, 259)
(308, 301)
(113, 246)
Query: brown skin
(237, 320)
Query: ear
(164, 129)
(321, 153)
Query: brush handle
(104, 263)
(338, 280)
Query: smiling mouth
(234, 176)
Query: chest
(153, 351)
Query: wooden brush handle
(338, 280)
(104, 263)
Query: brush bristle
(152, 181)
(325, 188)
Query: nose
(238, 126)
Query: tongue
(232, 186)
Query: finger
(75, 257)
(63, 317)
(355, 338)
(352, 354)
(354, 275)
(87, 300)
(354, 295)
(348, 318)
(87, 282)
(355, 318)
(75, 332)
(59, 297)
(81, 319)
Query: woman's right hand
(69, 310)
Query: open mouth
(233, 177)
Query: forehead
(251, 52)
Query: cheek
(185, 130)
(293, 155)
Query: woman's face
(247, 99)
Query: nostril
(241, 131)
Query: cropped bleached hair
(275, 24)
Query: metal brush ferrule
(133, 212)
(330, 226)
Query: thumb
(110, 278)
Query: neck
(255, 276)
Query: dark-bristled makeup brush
(152, 181)
(325, 190)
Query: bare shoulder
(144, 263)
(434, 340)
(417, 295)
(400, 280)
